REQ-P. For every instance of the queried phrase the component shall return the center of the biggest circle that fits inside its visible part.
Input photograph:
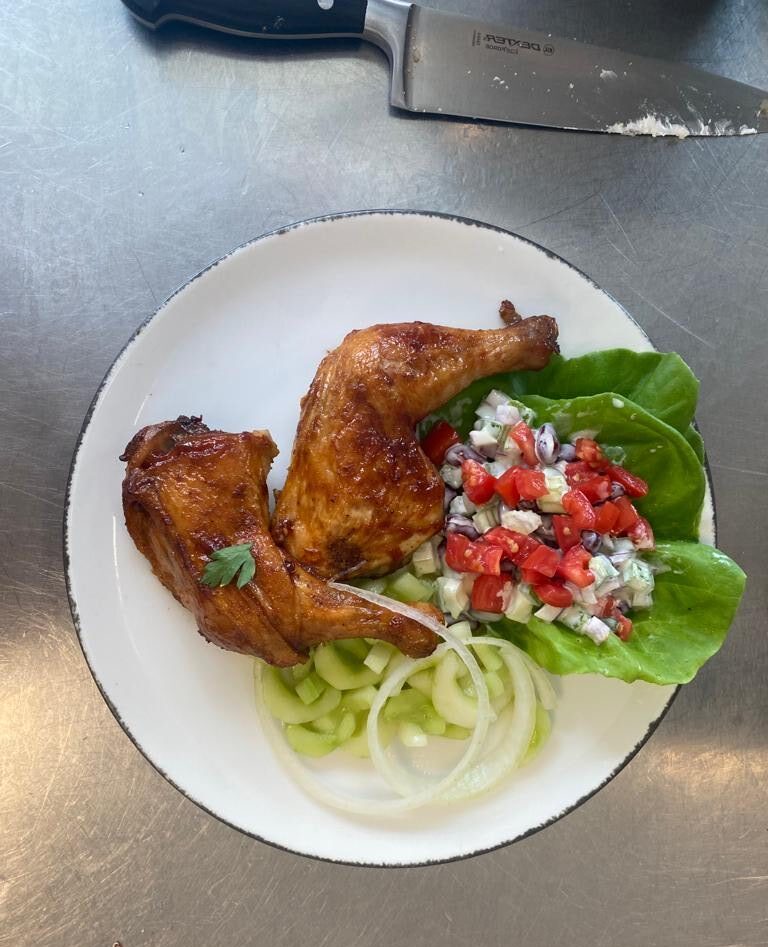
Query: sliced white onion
(397, 777)
(544, 689)
(520, 720)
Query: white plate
(239, 344)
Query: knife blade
(454, 65)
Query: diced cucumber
(308, 742)
(300, 671)
(602, 568)
(341, 670)
(283, 703)
(361, 698)
(451, 476)
(526, 414)
(574, 618)
(548, 612)
(462, 505)
(409, 704)
(461, 630)
(448, 699)
(486, 411)
(310, 688)
(490, 657)
(637, 575)
(422, 681)
(597, 630)
(407, 588)
(378, 657)
(372, 585)
(494, 398)
(557, 485)
(425, 560)
(451, 597)
(484, 442)
(487, 518)
(520, 606)
(452, 732)
(411, 734)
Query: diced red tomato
(463, 555)
(579, 508)
(531, 576)
(515, 546)
(522, 435)
(478, 483)
(624, 629)
(590, 452)
(606, 517)
(641, 534)
(609, 609)
(553, 594)
(506, 487)
(573, 567)
(576, 472)
(628, 516)
(436, 443)
(566, 532)
(490, 592)
(633, 486)
(596, 489)
(543, 560)
(530, 483)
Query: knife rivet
(325, 4)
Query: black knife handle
(268, 18)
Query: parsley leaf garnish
(226, 563)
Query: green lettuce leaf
(659, 382)
(693, 606)
(649, 448)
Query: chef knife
(456, 65)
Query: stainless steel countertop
(128, 162)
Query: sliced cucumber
(361, 698)
(407, 588)
(422, 681)
(308, 742)
(310, 688)
(447, 696)
(357, 648)
(341, 670)
(283, 703)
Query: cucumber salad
(570, 544)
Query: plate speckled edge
(466, 221)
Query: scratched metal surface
(128, 162)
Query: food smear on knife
(361, 495)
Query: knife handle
(266, 18)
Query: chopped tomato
(579, 508)
(478, 483)
(516, 546)
(566, 532)
(435, 445)
(606, 516)
(633, 486)
(530, 483)
(490, 593)
(628, 516)
(573, 567)
(531, 576)
(641, 534)
(624, 629)
(463, 555)
(506, 487)
(543, 560)
(590, 452)
(596, 488)
(576, 472)
(522, 435)
(606, 606)
(553, 594)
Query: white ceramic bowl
(239, 344)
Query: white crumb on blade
(659, 127)
(608, 74)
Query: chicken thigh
(189, 491)
(360, 495)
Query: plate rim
(67, 561)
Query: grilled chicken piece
(361, 495)
(189, 491)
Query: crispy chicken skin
(361, 495)
(189, 491)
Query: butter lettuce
(693, 606)
(640, 405)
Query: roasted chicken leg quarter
(361, 495)
(189, 491)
